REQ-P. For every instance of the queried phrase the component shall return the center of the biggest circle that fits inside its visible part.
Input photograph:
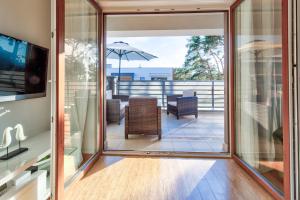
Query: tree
(81, 60)
(204, 59)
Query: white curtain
(246, 84)
(258, 80)
(80, 81)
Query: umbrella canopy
(259, 45)
(123, 51)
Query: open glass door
(261, 92)
(81, 66)
(77, 141)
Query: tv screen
(23, 69)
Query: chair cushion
(188, 93)
(172, 103)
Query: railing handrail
(221, 81)
(210, 93)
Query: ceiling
(163, 5)
(165, 24)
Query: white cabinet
(34, 188)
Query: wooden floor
(129, 178)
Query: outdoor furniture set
(143, 115)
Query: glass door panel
(81, 78)
(258, 88)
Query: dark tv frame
(19, 97)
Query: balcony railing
(210, 93)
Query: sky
(170, 51)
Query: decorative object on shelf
(19, 137)
(6, 141)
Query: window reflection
(12, 52)
(80, 85)
(258, 88)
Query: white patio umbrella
(123, 51)
(259, 45)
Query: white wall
(146, 72)
(27, 20)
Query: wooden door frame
(59, 183)
(60, 98)
(285, 109)
(59, 164)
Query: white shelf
(32, 188)
(39, 147)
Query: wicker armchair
(180, 105)
(116, 108)
(142, 117)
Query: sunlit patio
(204, 134)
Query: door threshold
(168, 154)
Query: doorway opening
(166, 82)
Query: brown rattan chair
(142, 117)
(116, 108)
(181, 105)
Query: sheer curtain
(246, 87)
(258, 87)
(270, 58)
(80, 84)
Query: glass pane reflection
(81, 66)
(258, 88)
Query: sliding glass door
(260, 95)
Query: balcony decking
(205, 134)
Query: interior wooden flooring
(131, 178)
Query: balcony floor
(205, 134)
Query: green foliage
(204, 59)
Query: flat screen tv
(23, 69)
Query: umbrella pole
(119, 75)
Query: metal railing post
(118, 87)
(213, 95)
(163, 93)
